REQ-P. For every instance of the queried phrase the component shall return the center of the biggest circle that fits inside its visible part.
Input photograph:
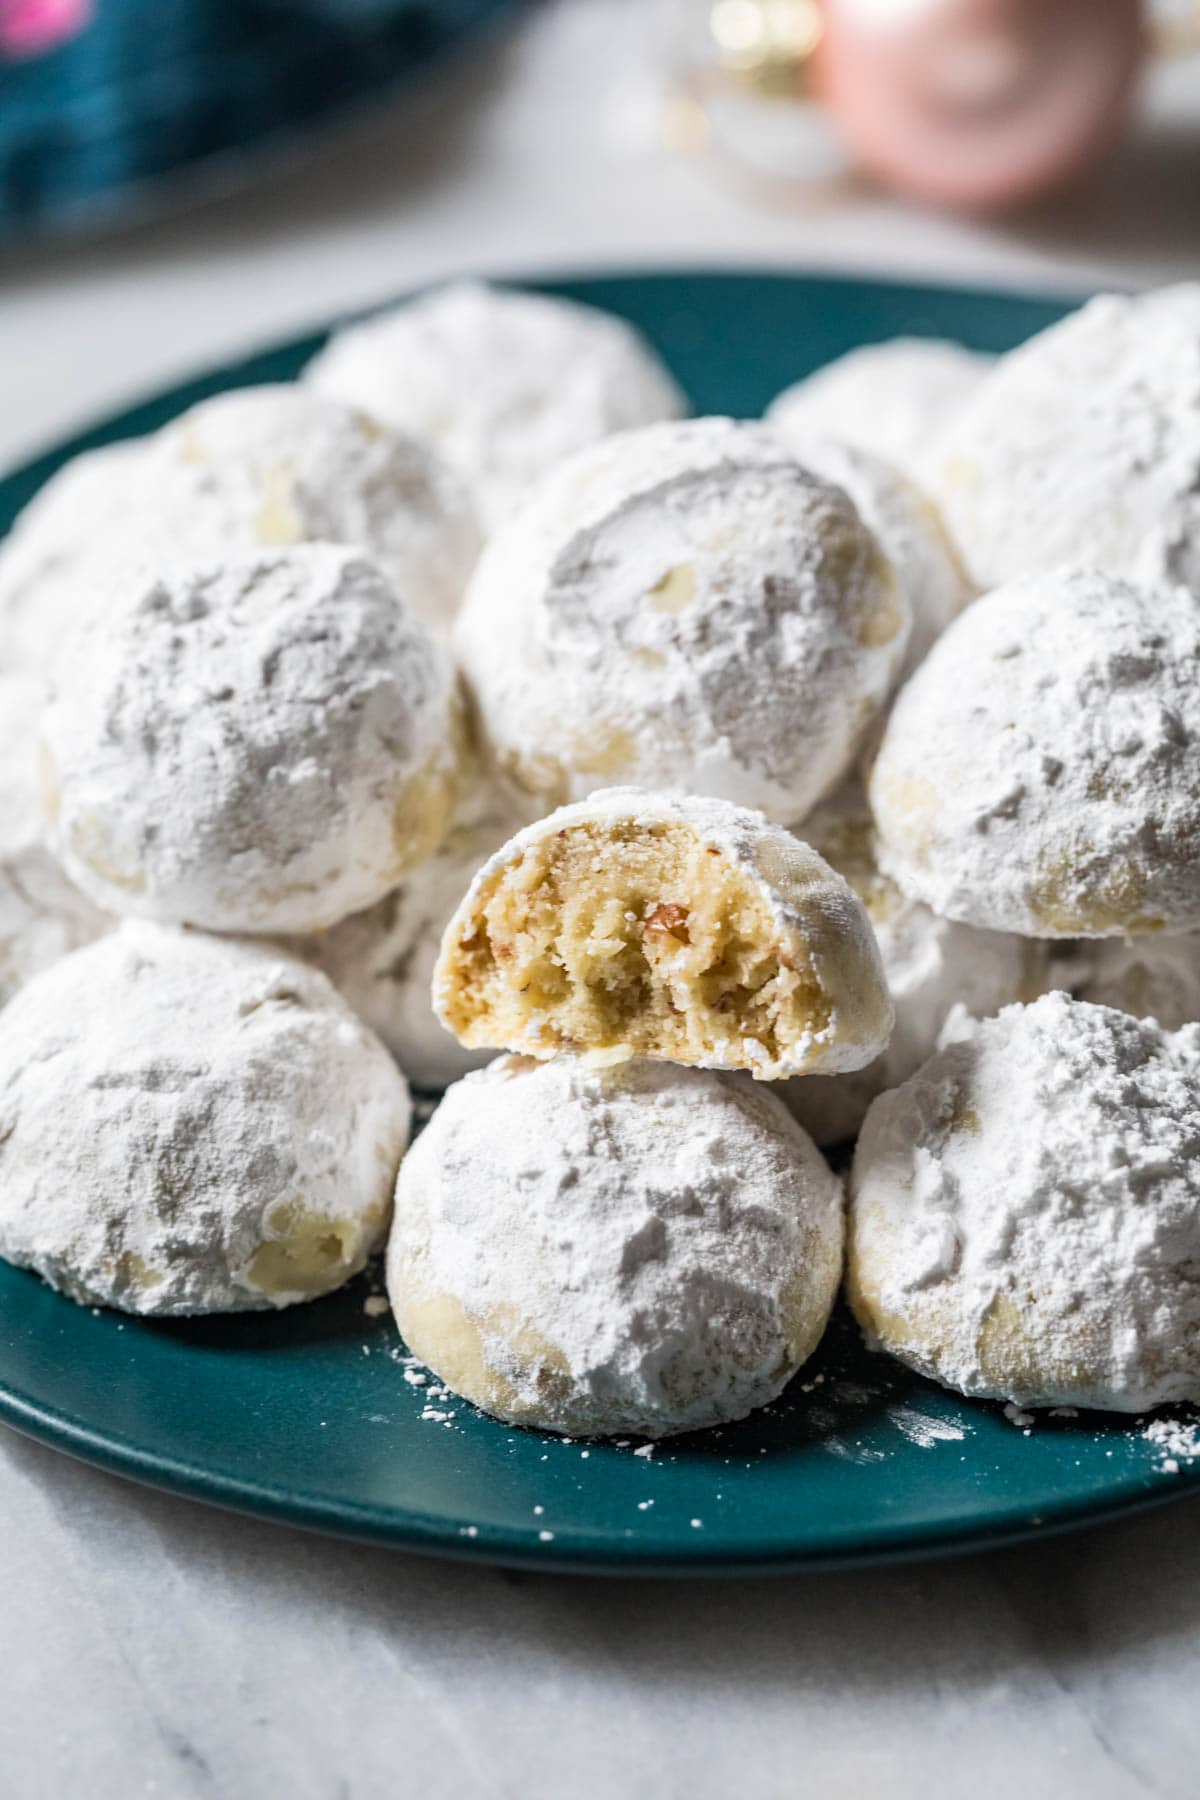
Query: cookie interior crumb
(629, 937)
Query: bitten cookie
(644, 1249)
(1040, 772)
(264, 744)
(683, 607)
(192, 1125)
(503, 383)
(637, 924)
(1025, 1212)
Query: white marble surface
(152, 1647)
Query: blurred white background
(542, 149)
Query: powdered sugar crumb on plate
(919, 1428)
(1176, 1441)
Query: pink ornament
(31, 27)
(979, 103)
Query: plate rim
(101, 422)
(423, 1534)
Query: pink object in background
(31, 27)
(979, 103)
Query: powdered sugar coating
(43, 915)
(1083, 445)
(817, 918)
(637, 1250)
(48, 554)
(279, 465)
(192, 1125)
(887, 398)
(1040, 772)
(503, 383)
(382, 960)
(1025, 1212)
(931, 965)
(1151, 978)
(908, 526)
(254, 468)
(683, 606)
(261, 744)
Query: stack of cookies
(727, 789)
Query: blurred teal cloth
(104, 102)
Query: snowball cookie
(280, 465)
(686, 607)
(1083, 445)
(259, 744)
(931, 965)
(1153, 978)
(595, 1251)
(887, 398)
(53, 541)
(908, 527)
(637, 924)
(1040, 772)
(192, 1125)
(382, 960)
(503, 383)
(42, 914)
(1025, 1212)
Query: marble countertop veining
(153, 1647)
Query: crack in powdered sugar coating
(817, 919)
(907, 525)
(639, 1250)
(382, 960)
(43, 916)
(503, 383)
(192, 1124)
(1083, 445)
(1025, 1211)
(262, 744)
(887, 398)
(683, 606)
(931, 965)
(49, 551)
(1040, 772)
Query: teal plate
(310, 1416)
